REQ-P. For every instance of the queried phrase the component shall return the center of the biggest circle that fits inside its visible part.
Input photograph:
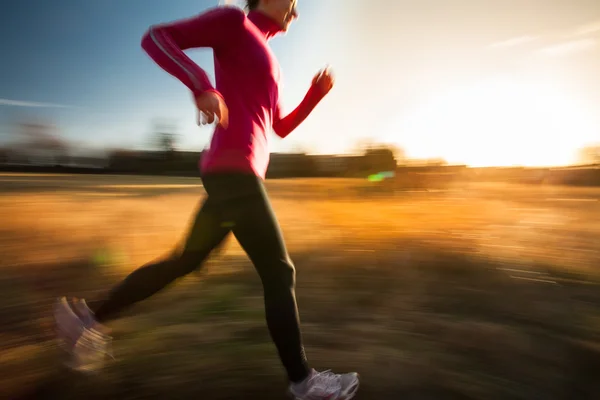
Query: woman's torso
(247, 75)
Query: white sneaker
(83, 339)
(326, 386)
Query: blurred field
(474, 292)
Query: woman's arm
(284, 125)
(215, 28)
(320, 87)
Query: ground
(473, 292)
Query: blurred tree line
(163, 157)
(166, 159)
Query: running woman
(245, 104)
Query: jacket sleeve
(284, 125)
(216, 28)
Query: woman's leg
(256, 228)
(206, 233)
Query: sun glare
(498, 123)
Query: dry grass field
(475, 292)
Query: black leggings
(235, 203)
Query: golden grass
(479, 292)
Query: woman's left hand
(324, 81)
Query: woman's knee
(279, 275)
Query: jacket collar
(264, 23)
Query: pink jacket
(247, 77)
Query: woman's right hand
(210, 106)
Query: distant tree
(399, 153)
(362, 145)
(167, 142)
(368, 146)
(164, 137)
(380, 159)
(41, 143)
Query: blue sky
(399, 66)
(87, 55)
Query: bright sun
(498, 123)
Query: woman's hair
(252, 4)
